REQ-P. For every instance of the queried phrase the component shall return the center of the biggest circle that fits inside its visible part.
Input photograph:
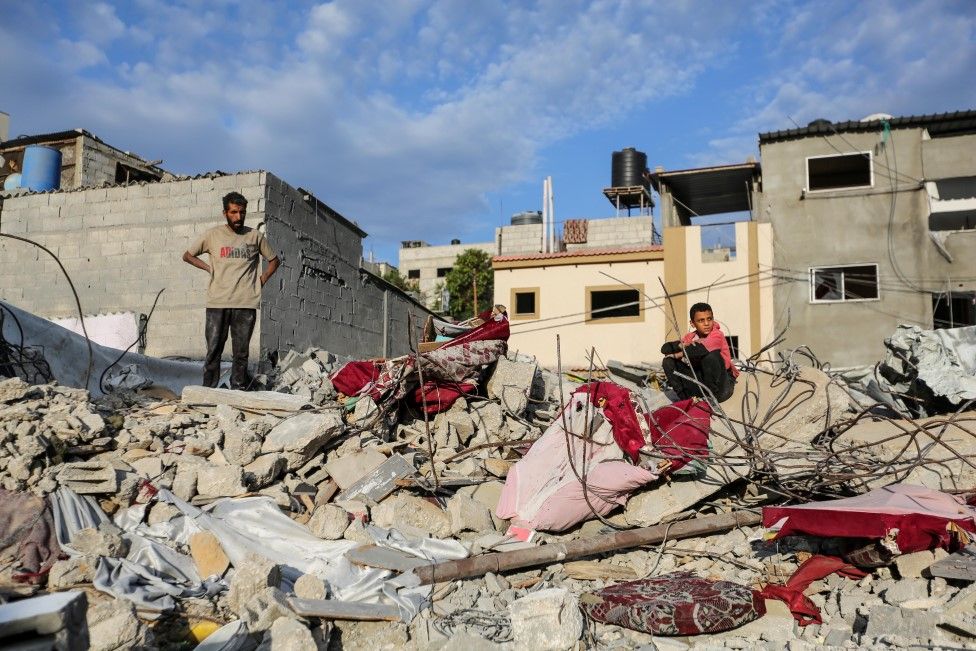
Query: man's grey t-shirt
(234, 261)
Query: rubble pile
(303, 517)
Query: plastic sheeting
(67, 355)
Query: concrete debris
(338, 465)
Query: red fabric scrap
(620, 412)
(439, 397)
(490, 329)
(813, 569)
(352, 377)
(680, 431)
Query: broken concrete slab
(57, 620)
(379, 482)
(328, 522)
(220, 481)
(349, 469)
(89, 477)
(511, 383)
(253, 575)
(468, 514)
(250, 400)
(287, 634)
(412, 514)
(301, 436)
(547, 620)
(263, 609)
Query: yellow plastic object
(203, 629)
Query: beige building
(427, 265)
(611, 299)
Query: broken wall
(322, 296)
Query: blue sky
(436, 120)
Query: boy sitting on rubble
(707, 351)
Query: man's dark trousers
(240, 323)
(710, 371)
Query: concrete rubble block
(241, 446)
(511, 383)
(250, 578)
(328, 522)
(304, 434)
(208, 554)
(489, 418)
(70, 572)
(547, 620)
(264, 608)
(89, 477)
(106, 540)
(912, 565)
(309, 586)
(185, 481)
(221, 481)
(114, 625)
(265, 469)
(372, 636)
(891, 620)
(468, 514)
(906, 590)
(149, 467)
(411, 514)
(54, 621)
(13, 389)
(227, 417)
(287, 634)
(348, 469)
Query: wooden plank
(384, 558)
(354, 610)
(959, 566)
(251, 400)
(562, 552)
(379, 482)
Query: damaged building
(119, 226)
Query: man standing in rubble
(233, 296)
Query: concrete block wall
(121, 245)
(616, 232)
(524, 238)
(320, 296)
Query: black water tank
(455, 242)
(820, 122)
(628, 168)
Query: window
(850, 283)
(837, 172)
(525, 303)
(413, 274)
(954, 310)
(443, 271)
(613, 304)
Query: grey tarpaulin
(67, 355)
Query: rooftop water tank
(527, 217)
(628, 168)
(42, 168)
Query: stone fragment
(287, 634)
(241, 446)
(467, 514)
(252, 576)
(264, 608)
(113, 624)
(912, 565)
(88, 477)
(348, 469)
(149, 467)
(106, 540)
(411, 514)
(221, 481)
(548, 620)
(303, 434)
(264, 469)
(511, 383)
(891, 620)
(70, 572)
(488, 418)
(185, 481)
(372, 636)
(328, 522)
(906, 590)
(208, 555)
(309, 586)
